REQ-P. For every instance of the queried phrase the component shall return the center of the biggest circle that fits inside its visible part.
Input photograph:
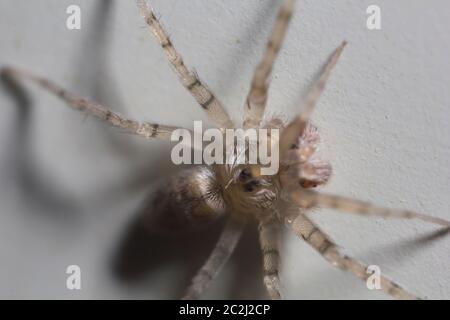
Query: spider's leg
(217, 259)
(320, 241)
(295, 128)
(189, 79)
(309, 198)
(269, 238)
(144, 129)
(257, 97)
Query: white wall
(384, 119)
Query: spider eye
(245, 175)
(251, 186)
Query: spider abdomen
(188, 200)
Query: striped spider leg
(190, 81)
(304, 228)
(144, 129)
(219, 256)
(255, 103)
(270, 240)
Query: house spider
(199, 196)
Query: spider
(200, 195)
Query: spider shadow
(93, 76)
(48, 196)
(142, 252)
(42, 194)
(410, 245)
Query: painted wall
(70, 185)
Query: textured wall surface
(67, 188)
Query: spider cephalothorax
(247, 192)
(198, 196)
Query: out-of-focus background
(70, 186)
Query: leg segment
(257, 97)
(308, 231)
(269, 238)
(217, 259)
(310, 198)
(190, 81)
(295, 128)
(144, 129)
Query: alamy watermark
(230, 146)
(374, 19)
(73, 281)
(374, 280)
(73, 21)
